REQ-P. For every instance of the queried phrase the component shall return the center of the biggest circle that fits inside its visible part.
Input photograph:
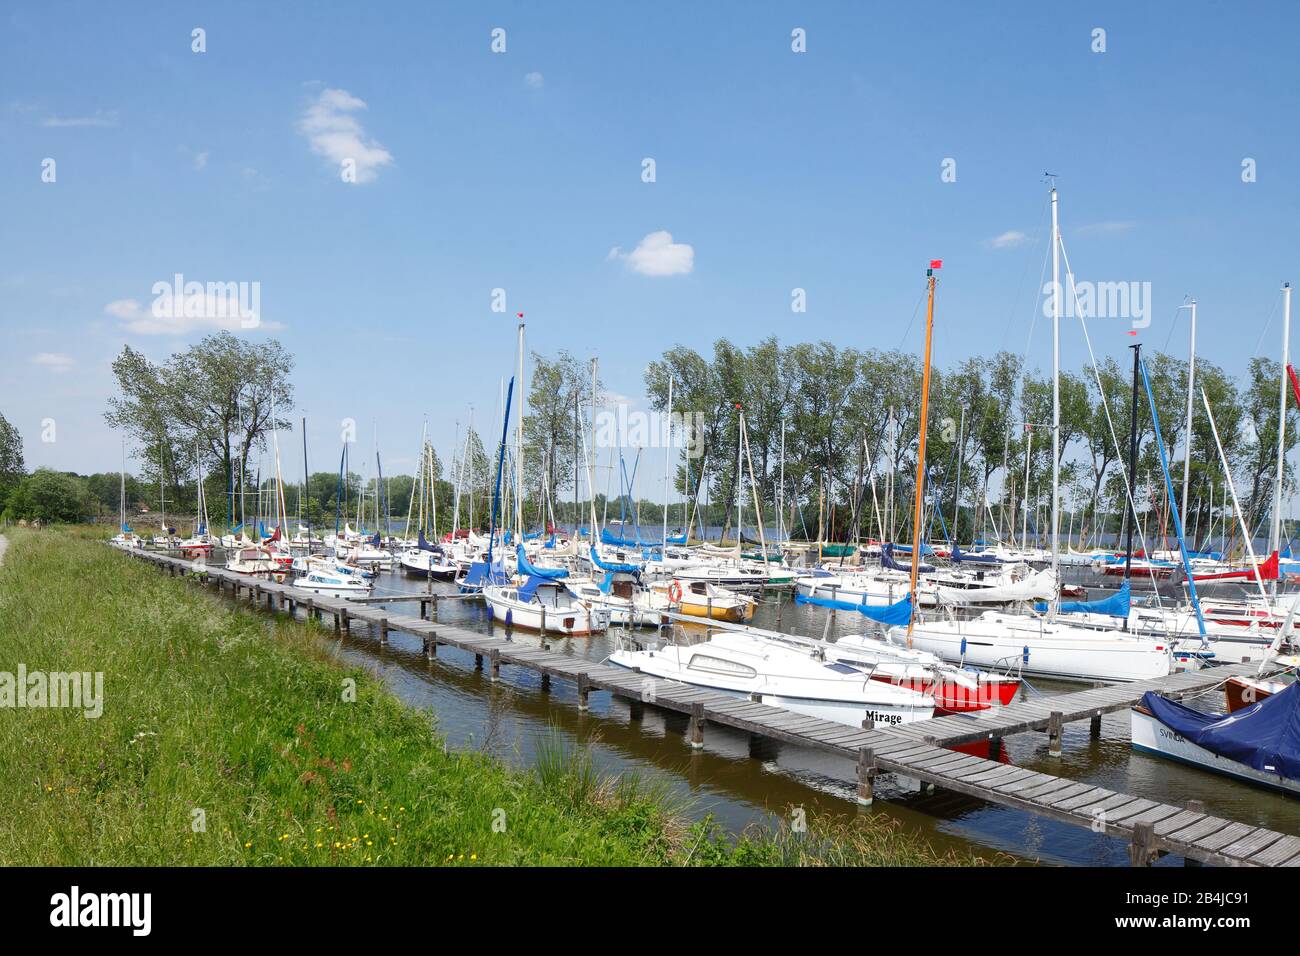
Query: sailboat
(199, 544)
(1037, 645)
(126, 538)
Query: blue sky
(522, 170)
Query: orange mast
(920, 454)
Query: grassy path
(231, 737)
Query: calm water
(508, 719)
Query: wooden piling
(1055, 721)
(584, 690)
(383, 630)
(1094, 726)
(867, 771)
(697, 726)
(494, 664)
(1142, 850)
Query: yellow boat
(702, 599)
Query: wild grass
(230, 737)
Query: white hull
(998, 641)
(742, 666)
(1152, 737)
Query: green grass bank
(232, 737)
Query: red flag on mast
(936, 263)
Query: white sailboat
(1043, 645)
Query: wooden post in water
(584, 689)
(383, 631)
(543, 622)
(1055, 721)
(1142, 850)
(697, 726)
(346, 615)
(494, 665)
(1094, 725)
(867, 772)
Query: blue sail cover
(1117, 605)
(887, 561)
(376, 541)
(679, 539)
(613, 540)
(527, 567)
(480, 575)
(900, 612)
(530, 586)
(426, 546)
(1264, 736)
(612, 566)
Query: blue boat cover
(426, 546)
(376, 541)
(900, 612)
(887, 561)
(612, 565)
(679, 539)
(479, 575)
(529, 587)
(527, 567)
(607, 537)
(1117, 605)
(1264, 736)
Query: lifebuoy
(675, 592)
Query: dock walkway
(916, 750)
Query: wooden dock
(916, 750)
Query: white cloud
(99, 119)
(200, 161)
(1008, 239)
(658, 255)
(333, 132)
(54, 361)
(1113, 227)
(535, 80)
(206, 311)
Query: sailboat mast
(1191, 376)
(1131, 518)
(1275, 529)
(668, 448)
(961, 447)
(920, 452)
(519, 439)
(1056, 402)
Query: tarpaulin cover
(1117, 605)
(900, 612)
(426, 546)
(1264, 736)
(527, 567)
(479, 575)
(612, 565)
(887, 561)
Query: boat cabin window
(718, 665)
(698, 588)
(842, 668)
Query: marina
(915, 750)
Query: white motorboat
(330, 584)
(742, 665)
(544, 604)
